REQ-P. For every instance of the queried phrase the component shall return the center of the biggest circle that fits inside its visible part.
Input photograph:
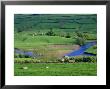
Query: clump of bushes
(50, 33)
(80, 38)
(30, 60)
(68, 35)
(21, 56)
(66, 59)
(85, 59)
(94, 47)
(76, 59)
(26, 60)
(80, 41)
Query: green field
(56, 69)
(92, 49)
(32, 42)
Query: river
(82, 49)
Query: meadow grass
(40, 41)
(92, 49)
(55, 69)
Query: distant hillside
(58, 22)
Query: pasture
(56, 69)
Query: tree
(80, 41)
(68, 35)
(80, 38)
(50, 33)
(79, 34)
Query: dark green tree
(80, 41)
(80, 38)
(68, 35)
(50, 33)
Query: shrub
(18, 56)
(91, 59)
(78, 59)
(50, 33)
(80, 41)
(26, 60)
(68, 35)
(94, 47)
(21, 56)
(85, 59)
(26, 56)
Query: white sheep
(47, 67)
(25, 68)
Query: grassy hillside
(57, 22)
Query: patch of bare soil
(62, 49)
(69, 47)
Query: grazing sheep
(39, 61)
(25, 68)
(62, 59)
(71, 61)
(47, 67)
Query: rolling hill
(57, 22)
